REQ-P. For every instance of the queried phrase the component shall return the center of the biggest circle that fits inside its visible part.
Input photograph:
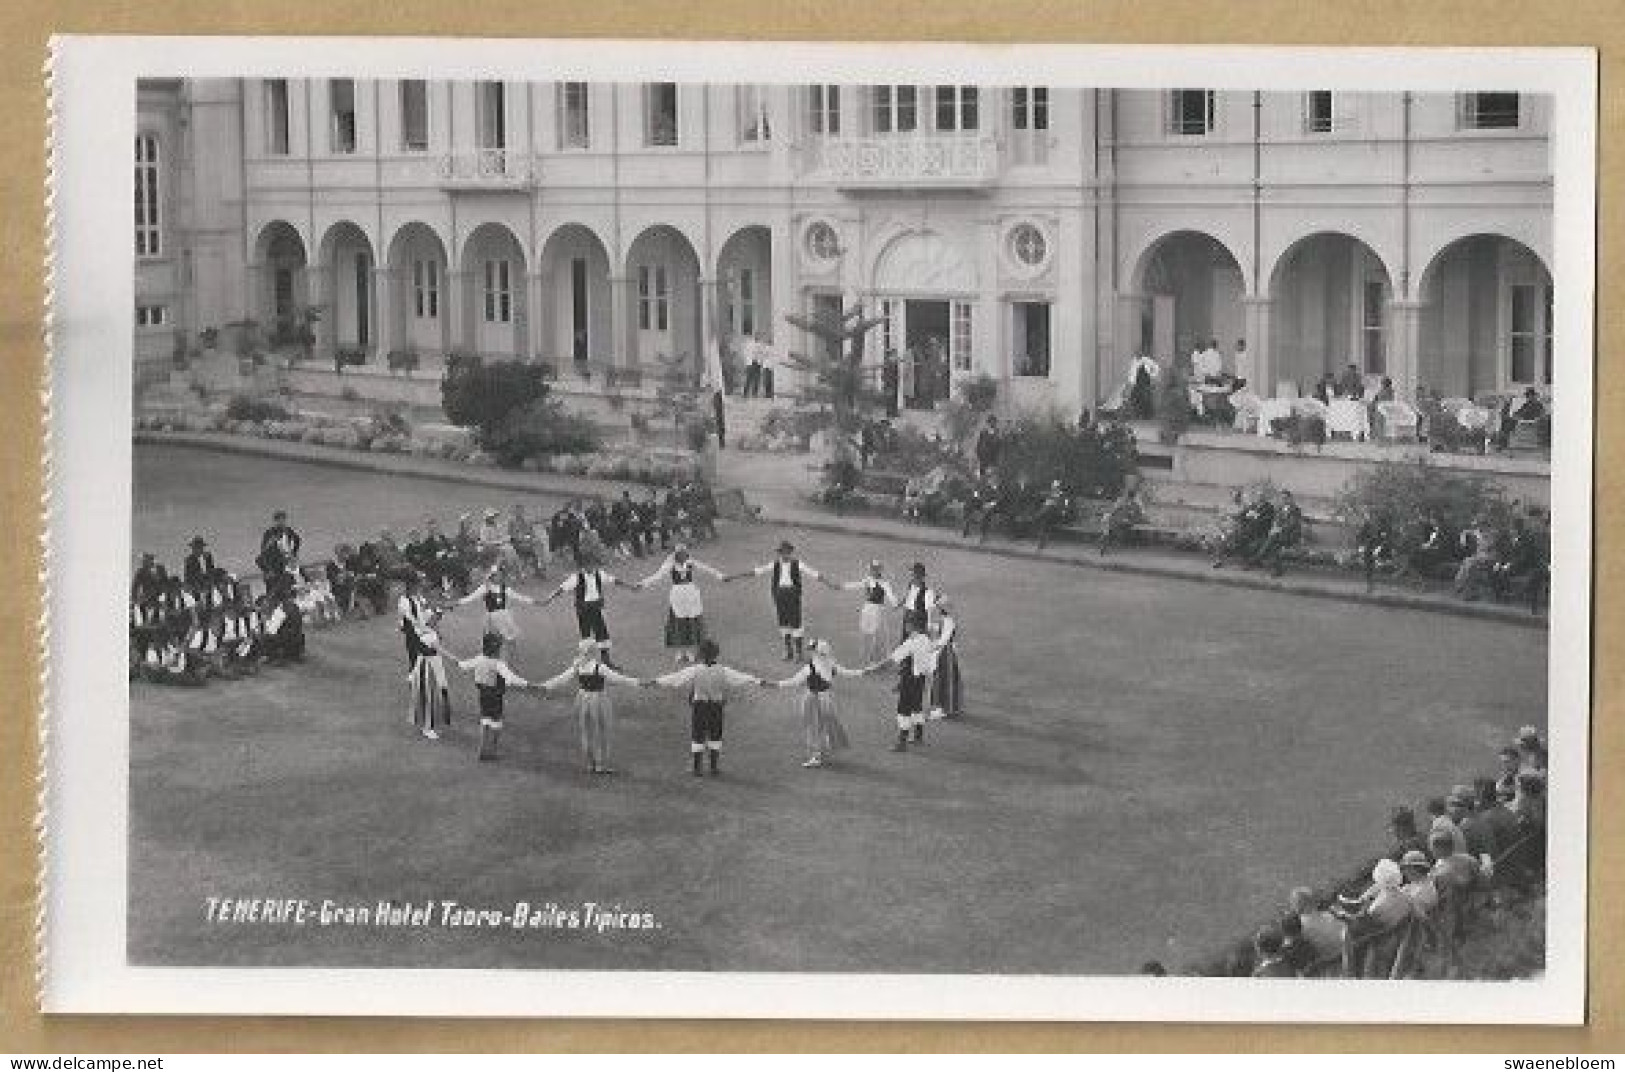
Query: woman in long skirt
(820, 721)
(947, 687)
(431, 699)
(497, 596)
(595, 714)
(685, 615)
(878, 595)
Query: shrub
(696, 430)
(839, 484)
(387, 421)
(979, 392)
(1174, 403)
(791, 423)
(908, 450)
(403, 360)
(1094, 461)
(539, 428)
(1402, 497)
(478, 395)
(255, 410)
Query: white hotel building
(1043, 235)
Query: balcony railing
(907, 160)
(486, 169)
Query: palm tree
(836, 376)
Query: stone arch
(922, 262)
(1190, 286)
(493, 262)
(744, 278)
(419, 282)
(350, 298)
(1485, 318)
(663, 297)
(575, 266)
(1331, 307)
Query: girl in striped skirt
(595, 713)
(878, 594)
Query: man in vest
(919, 600)
(788, 573)
(588, 585)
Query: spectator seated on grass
(1531, 751)
(1246, 529)
(1523, 567)
(1296, 951)
(1439, 820)
(1321, 929)
(1402, 827)
(980, 506)
(1373, 547)
(1120, 519)
(1376, 924)
(1269, 960)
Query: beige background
(25, 26)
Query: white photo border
(93, 84)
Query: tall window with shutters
(660, 127)
(414, 115)
(824, 109)
(750, 104)
(1029, 124)
(341, 109)
(654, 312)
(894, 109)
(574, 122)
(1190, 111)
(148, 221)
(276, 116)
(426, 289)
(957, 108)
(959, 336)
(498, 293)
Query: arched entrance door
(575, 266)
(417, 273)
(1331, 295)
(494, 265)
(1193, 289)
(664, 273)
(282, 290)
(347, 255)
(926, 287)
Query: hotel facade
(1041, 235)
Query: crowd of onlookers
(1405, 914)
(205, 621)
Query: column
(457, 312)
(1404, 335)
(386, 331)
(987, 355)
(784, 293)
(537, 296)
(620, 323)
(1256, 314)
(319, 292)
(709, 342)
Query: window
(1523, 337)
(1371, 327)
(575, 130)
(824, 109)
(491, 114)
(498, 293)
(1190, 111)
(1028, 247)
(414, 115)
(341, 106)
(1548, 336)
(1318, 116)
(148, 237)
(1029, 124)
(896, 109)
(660, 113)
(1030, 355)
(276, 116)
(741, 314)
(426, 289)
(580, 328)
(151, 316)
(957, 108)
(891, 326)
(959, 337)
(1488, 111)
(754, 128)
(653, 298)
(823, 244)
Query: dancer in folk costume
(915, 660)
(414, 617)
(788, 572)
(685, 616)
(492, 677)
(708, 683)
(496, 594)
(820, 720)
(431, 697)
(878, 594)
(588, 585)
(919, 600)
(595, 713)
(947, 687)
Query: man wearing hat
(588, 584)
(279, 546)
(1419, 886)
(788, 574)
(199, 569)
(919, 600)
(148, 580)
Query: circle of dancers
(923, 656)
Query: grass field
(1147, 766)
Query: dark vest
(877, 594)
(795, 573)
(682, 574)
(816, 682)
(496, 598)
(591, 682)
(581, 591)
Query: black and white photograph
(1044, 532)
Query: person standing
(788, 573)
(919, 600)
(709, 684)
(279, 547)
(198, 568)
(414, 612)
(431, 698)
(595, 713)
(890, 382)
(989, 445)
(685, 614)
(878, 594)
(912, 658)
(820, 721)
(496, 594)
(588, 585)
(947, 686)
(492, 678)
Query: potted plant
(404, 360)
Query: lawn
(1147, 766)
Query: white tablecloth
(1272, 409)
(1349, 416)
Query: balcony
(909, 161)
(486, 169)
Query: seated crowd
(1405, 915)
(206, 621)
(1510, 561)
